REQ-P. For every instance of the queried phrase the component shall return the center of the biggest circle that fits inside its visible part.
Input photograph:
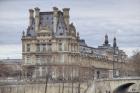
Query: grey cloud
(93, 19)
(128, 35)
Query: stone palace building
(52, 47)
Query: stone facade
(107, 50)
(51, 39)
(40, 88)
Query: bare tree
(135, 62)
(7, 70)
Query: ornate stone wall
(51, 39)
(40, 88)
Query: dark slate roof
(44, 13)
(11, 61)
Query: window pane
(60, 46)
(28, 47)
(38, 47)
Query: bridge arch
(123, 88)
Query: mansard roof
(61, 25)
(44, 13)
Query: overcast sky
(92, 18)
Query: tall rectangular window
(60, 47)
(44, 47)
(37, 47)
(23, 47)
(37, 59)
(28, 47)
(41, 47)
(49, 49)
(62, 58)
(42, 59)
(28, 60)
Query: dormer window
(41, 18)
(28, 34)
(61, 34)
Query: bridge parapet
(115, 79)
(110, 85)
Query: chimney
(37, 10)
(55, 18)
(31, 16)
(66, 15)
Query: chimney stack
(31, 16)
(66, 16)
(55, 18)
(37, 10)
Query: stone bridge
(116, 85)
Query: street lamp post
(114, 53)
(113, 61)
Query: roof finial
(106, 39)
(23, 33)
(114, 42)
(78, 35)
